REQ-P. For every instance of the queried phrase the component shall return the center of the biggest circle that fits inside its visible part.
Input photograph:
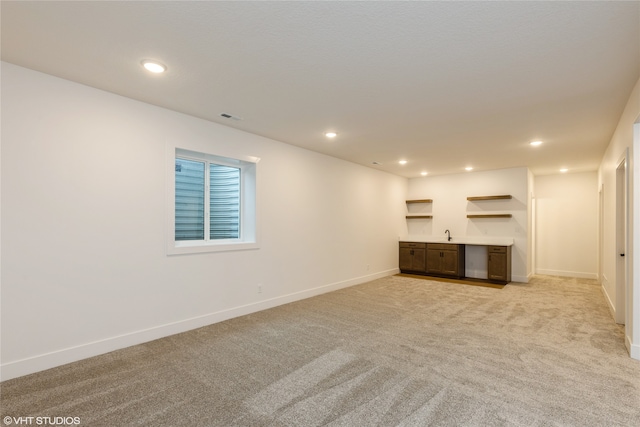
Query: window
(207, 201)
(213, 203)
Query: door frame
(622, 241)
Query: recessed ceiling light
(468, 168)
(153, 66)
(424, 173)
(563, 170)
(330, 134)
(535, 143)
(403, 162)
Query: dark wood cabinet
(445, 259)
(499, 264)
(448, 260)
(412, 257)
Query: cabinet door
(434, 261)
(405, 259)
(450, 262)
(419, 260)
(499, 265)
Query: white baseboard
(45, 361)
(562, 273)
(521, 279)
(607, 298)
(634, 349)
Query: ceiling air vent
(229, 116)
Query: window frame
(248, 204)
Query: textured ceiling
(440, 84)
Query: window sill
(185, 248)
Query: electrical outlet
(368, 266)
(259, 288)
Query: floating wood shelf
(419, 216)
(420, 201)
(479, 198)
(490, 216)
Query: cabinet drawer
(497, 249)
(443, 246)
(413, 245)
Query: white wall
(621, 141)
(84, 269)
(567, 224)
(450, 208)
(531, 225)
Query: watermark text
(41, 421)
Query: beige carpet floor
(397, 351)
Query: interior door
(621, 239)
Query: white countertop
(471, 240)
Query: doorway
(601, 235)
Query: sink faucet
(448, 235)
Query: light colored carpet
(397, 351)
